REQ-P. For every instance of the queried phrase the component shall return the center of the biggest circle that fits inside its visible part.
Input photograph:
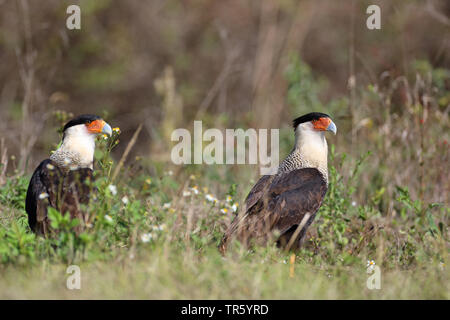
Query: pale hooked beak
(107, 129)
(332, 127)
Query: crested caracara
(61, 182)
(282, 206)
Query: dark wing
(253, 197)
(50, 186)
(257, 191)
(42, 191)
(281, 207)
(299, 195)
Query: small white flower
(186, 193)
(370, 264)
(108, 218)
(234, 207)
(125, 200)
(209, 197)
(169, 173)
(146, 237)
(50, 166)
(159, 228)
(229, 199)
(113, 189)
(43, 195)
(194, 189)
(354, 203)
(224, 210)
(166, 205)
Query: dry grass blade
(297, 231)
(126, 152)
(3, 161)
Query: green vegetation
(155, 236)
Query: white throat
(312, 145)
(310, 151)
(77, 148)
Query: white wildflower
(43, 195)
(354, 203)
(146, 237)
(113, 189)
(224, 210)
(209, 197)
(159, 228)
(229, 199)
(186, 193)
(166, 205)
(234, 207)
(194, 189)
(108, 218)
(370, 264)
(125, 200)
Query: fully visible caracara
(61, 181)
(282, 206)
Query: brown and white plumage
(62, 182)
(282, 206)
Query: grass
(140, 248)
(157, 226)
(158, 274)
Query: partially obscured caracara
(282, 206)
(61, 182)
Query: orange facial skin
(321, 124)
(95, 126)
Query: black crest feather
(309, 117)
(81, 119)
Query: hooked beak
(107, 129)
(332, 127)
(99, 126)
